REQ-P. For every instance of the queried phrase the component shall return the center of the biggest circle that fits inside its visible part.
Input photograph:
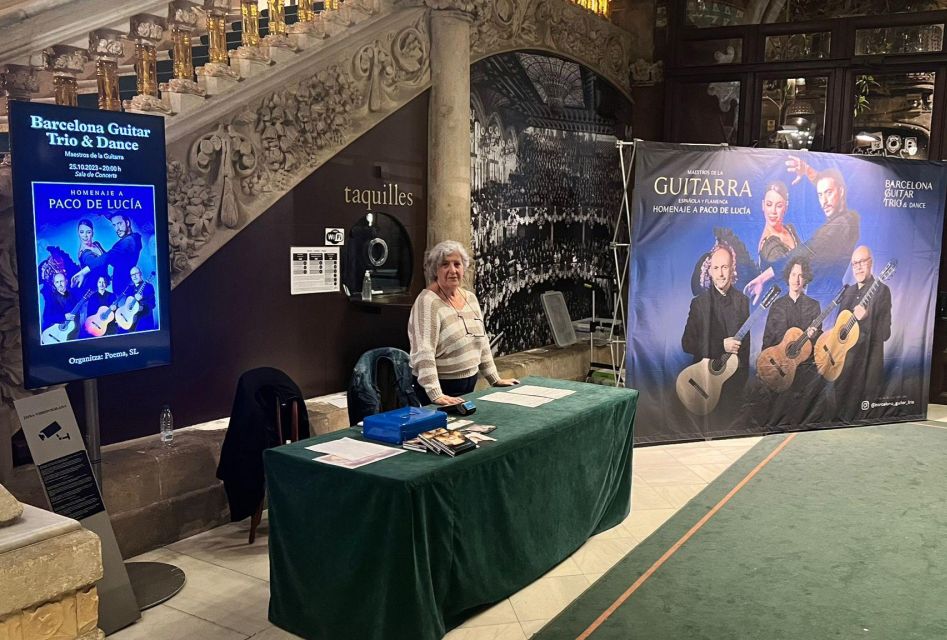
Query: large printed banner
(775, 290)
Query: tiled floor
(227, 590)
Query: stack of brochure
(441, 440)
(456, 438)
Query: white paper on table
(354, 464)
(514, 398)
(339, 400)
(350, 449)
(457, 424)
(541, 392)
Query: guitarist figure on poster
(59, 302)
(144, 298)
(799, 311)
(862, 377)
(714, 318)
(100, 308)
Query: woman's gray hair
(436, 254)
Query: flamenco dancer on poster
(121, 257)
(89, 249)
(714, 318)
(778, 237)
(862, 376)
(831, 244)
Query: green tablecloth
(405, 548)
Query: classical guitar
(833, 345)
(777, 365)
(699, 385)
(127, 314)
(64, 330)
(98, 323)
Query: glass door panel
(792, 113)
(892, 114)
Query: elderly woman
(449, 343)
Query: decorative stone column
(280, 47)
(182, 93)
(106, 47)
(448, 197)
(66, 63)
(309, 30)
(216, 76)
(17, 82)
(147, 31)
(250, 58)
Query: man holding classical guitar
(59, 303)
(100, 311)
(785, 364)
(715, 317)
(869, 301)
(135, 314)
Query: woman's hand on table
(446, 401)
(506, 382)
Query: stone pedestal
(248, 68)
(448, 208)
(182, 102)
(307, 40)
(49, 566)
(281, 54)
(215, 85)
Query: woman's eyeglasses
(474, 327)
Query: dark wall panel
(235, 312)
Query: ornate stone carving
(402, 58)
(87, 610)
(107, 43)
(557, 26)
(67, 60)
(18, 81)
(182, 85)
(218, 70)
(146, 103)
(645, 74)
(474, 8)
(147, 27)
(264, 150)
(51, 621)
(183, 14)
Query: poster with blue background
(776, 290)
(91, 217)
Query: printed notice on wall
(313, 270)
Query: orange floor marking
(677, 545)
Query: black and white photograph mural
(545, 191)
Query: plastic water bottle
(167, 426)
(367, 286)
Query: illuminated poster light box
(91, 212)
